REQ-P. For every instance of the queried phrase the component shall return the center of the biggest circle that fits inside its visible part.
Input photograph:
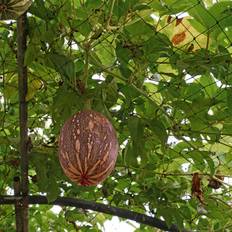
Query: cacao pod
(88, 148)
(12, 9)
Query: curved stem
(110, 14)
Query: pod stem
(87, 104)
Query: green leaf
(65, 103)
(46, 175)
(130, 157)
(106, 51)
(111, 91)
(229, 99)
(38, 8)
(222, 12)
(209, 85)
(159, 130)
(129, 92)
(173, 6)
(202, 15)
(74, 215)
(227, 128)
(139, 31)
(168, 214)
(83, 26)
(52, 190)
(157, 45)
(41, 172)
(32, 53)
(136, 128)
(198, 160)
(62, 64)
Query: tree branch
(23, 116)
(78, 203)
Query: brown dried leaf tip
(178, 21)
(190, 48)
(169, 19)
(196, 187)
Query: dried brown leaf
(196, 187)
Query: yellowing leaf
(33, 87)
(182, 33)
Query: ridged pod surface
(12, 9)
(88, 148)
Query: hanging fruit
(12, 9)
(88, 148)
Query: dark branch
(23, 116)
(124, 213)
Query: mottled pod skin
(88, 148)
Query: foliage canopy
(160, 71)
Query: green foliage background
(170, 105)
